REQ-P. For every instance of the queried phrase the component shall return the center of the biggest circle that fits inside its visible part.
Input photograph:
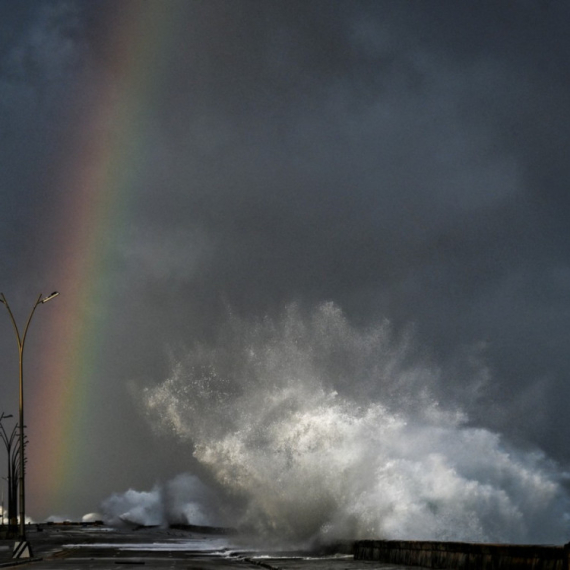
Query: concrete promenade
(76, 547)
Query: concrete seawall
(463, 555)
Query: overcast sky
(404, 160)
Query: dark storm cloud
(403, 163)
(39, 58)
(405, 160)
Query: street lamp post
(10, 458)
(21, 341)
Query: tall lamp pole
(21, 341)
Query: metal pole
(21, 343)
(10, 461)
(22, 478)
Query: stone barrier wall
(463, 555)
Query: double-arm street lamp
(21, 341)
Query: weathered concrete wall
(463, 555)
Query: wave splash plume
(320, 429)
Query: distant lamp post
(22, 549)
(12, 454)
(8, 443)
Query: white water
(178, 545)
(321, 430)
(183, 500)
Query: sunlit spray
(323, 430)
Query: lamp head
(49, 297)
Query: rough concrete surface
(74, 547)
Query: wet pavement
(74, 547)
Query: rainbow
(99, 176)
